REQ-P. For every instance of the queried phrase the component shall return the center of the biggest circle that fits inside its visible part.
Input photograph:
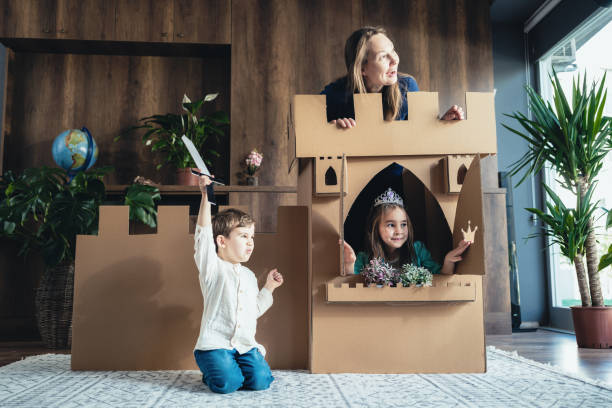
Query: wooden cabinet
(62, 19)
(144, 20)
(202, 21)
(85, 20)
(182, 21)
(28, 18)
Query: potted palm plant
(163, 134)
(573, 138)
(44, 213)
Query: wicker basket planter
(54, 297)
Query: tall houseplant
(44, 213)
(573, 138)
(163, 134)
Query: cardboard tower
(438, 168)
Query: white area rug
(511, 381)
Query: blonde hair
(355, 57)
(225, 221)
(374, 245)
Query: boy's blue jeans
(226, 371)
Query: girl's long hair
(375, 247)
(355, 56)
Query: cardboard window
(330, 177)
(428, 221)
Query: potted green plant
(573, 138)
(163, 134)
(44, 213)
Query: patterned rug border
(509, 354)
(547, 366)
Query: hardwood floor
(558, 349)
(11, 351)
(544, 346)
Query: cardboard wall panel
(138, 304)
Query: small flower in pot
(252, 163)
(380, 273)
(413, 275)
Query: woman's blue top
(421, 254)
(340, 100)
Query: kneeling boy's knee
(224, 386)
(260, 380)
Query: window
(583, 51)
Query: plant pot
(252, 181)
(53, 301)
(184, 177)
(593, 326)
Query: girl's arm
(349, 258)
(453, 257)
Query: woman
(372, 64)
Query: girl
(389, 236)
(372, 65)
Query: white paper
(195, 155)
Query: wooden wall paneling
(264, 51)
(28, 18)
(202, 76)
(144, 20)
(85, 20)
(496, 282)
(6, 104)
(322, 32)
(203, 21)
(107, 94)
(446, 46)
(480, 57)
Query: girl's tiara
(389, 197)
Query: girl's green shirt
(422, 258)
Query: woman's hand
(344, 123)
(274, 280)
(454, 113)
(349, 258)
(454, 256)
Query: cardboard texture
(455, 169)
(449, 288)
(374, 137)
(138, 304)
(397, 330)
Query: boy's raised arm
(204, 218)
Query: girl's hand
(454, 113)
(203, 181)
(455, 254)
(349, 258)
(274, 280)
(344, 123)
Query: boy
(226, 351)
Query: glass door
(585, 51)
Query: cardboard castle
(137, 298)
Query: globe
(74, 150)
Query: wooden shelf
(219, 190)
(162, 49)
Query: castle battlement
(422, 134)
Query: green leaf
(606, 260)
